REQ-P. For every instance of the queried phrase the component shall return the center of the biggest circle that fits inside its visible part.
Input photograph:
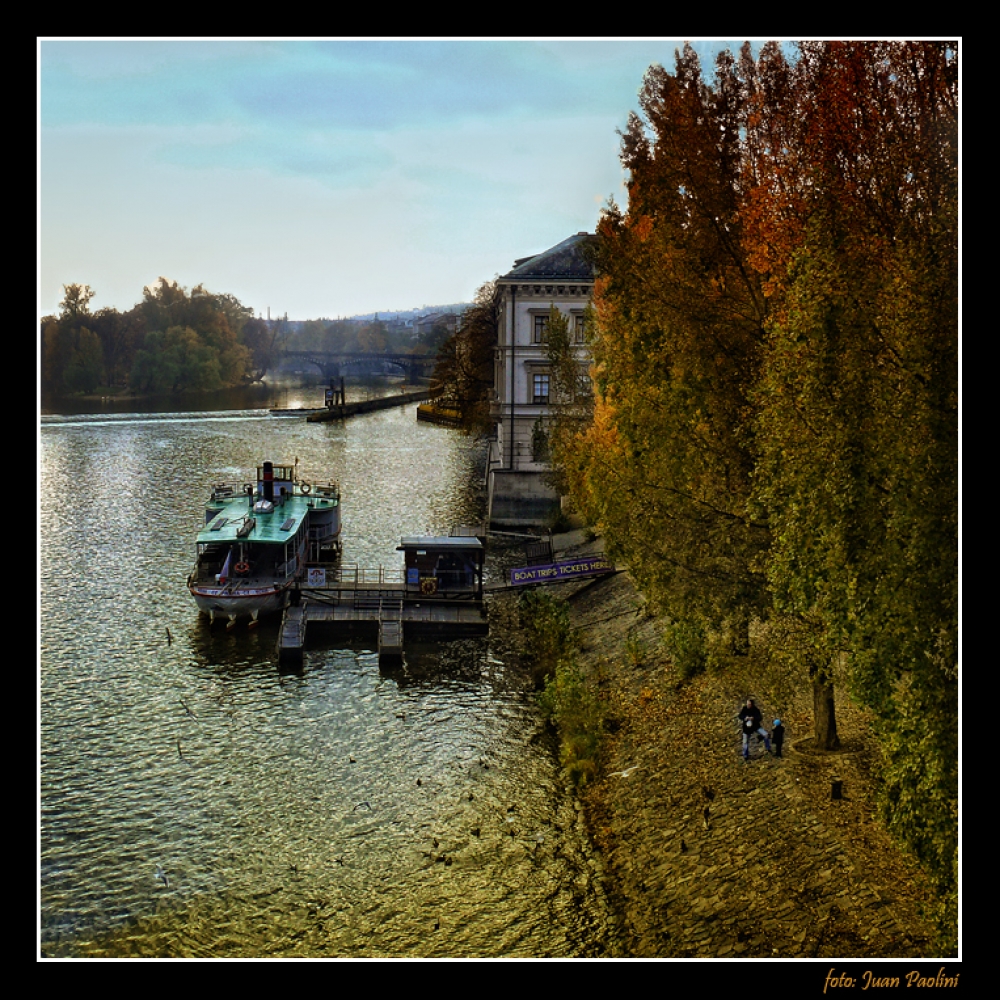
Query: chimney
(269, 481)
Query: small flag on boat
(224, 575)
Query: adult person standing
(751, 722)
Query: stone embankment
(708, 856)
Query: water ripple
(194, 801)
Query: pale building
(563, 277)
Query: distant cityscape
(402, 317)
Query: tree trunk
(824, 714)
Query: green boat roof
(274, 528)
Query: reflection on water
(278, 392)
(196, 801)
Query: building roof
(438, 542)
(565, 261)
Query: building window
(540, 332)
(578, 331)
(540, 388)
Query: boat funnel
(268, 481)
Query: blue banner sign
(567, 570)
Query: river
(195, 801)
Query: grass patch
(566, 697)
(570, 704)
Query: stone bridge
(334, 364)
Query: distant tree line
(170, 341)
(175, 340)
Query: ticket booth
(443, 567)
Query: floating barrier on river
(337, 411)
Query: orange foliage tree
(774, 434)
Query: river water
(196, 801)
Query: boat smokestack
(269, 481)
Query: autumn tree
(571, 395)
(68, 356)
(464, 371)
(262, 341)
(665, 470)
(430, 341)
(169, 359)
(856, 222)
(340, 335)
(372, 337)
(774, 436)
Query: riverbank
(707, 856)
(431, 414)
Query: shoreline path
(709, 856)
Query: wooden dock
(381, 613)
(292, 637)
(390, 641)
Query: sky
(325, 178)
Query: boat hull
(249, 601)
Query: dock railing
(360, 577)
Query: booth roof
(438, 542)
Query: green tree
(228, 349)
(858, 401)
(164, 304)
(55, 349)
(75, 305)
(118, 334)
(85, 364)
(176, 359)
(216, 322)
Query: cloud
(324, 177)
